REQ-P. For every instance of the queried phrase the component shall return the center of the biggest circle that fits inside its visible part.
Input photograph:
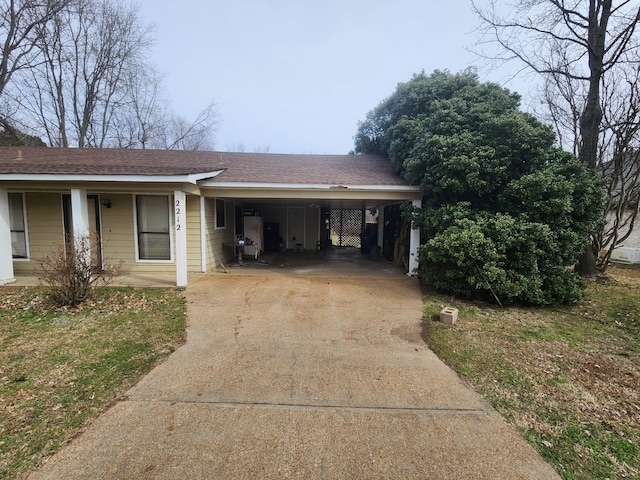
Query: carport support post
(414, 243)
(6, 258)
(180, 211)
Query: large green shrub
(505, 213)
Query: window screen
(17, 226)
(153, 227)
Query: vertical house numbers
(178, 207)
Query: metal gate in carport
(346, 227)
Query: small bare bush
(70, 274)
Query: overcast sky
(295, 76)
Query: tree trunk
(586, 266)
(591, 117)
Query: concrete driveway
(300, 376)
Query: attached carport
(304, 209)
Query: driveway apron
(289, 376)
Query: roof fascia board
(50, 177)
(102, 187)
(312, 194)
(308, 186)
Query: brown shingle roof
(237, 167)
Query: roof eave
(193, 178)
(308, 186)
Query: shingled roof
(245, 168)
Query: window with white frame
(221, 217)
(153, 227)
(18, 226)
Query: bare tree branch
(579, 48)
(20, 22)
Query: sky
(295, 76)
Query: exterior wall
(629, 250)
(212, 260)
(46, 232)
(312, 225)
(119, 238)
(194, 262)
(278, 214)
(217, 238)
(118, 234)
(634, 239)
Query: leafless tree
(262, 149)
(20, 24)
(76, 91)
(141, 123)
(240, 147)
(92, 86)
(237, 146)
(178, 133)
(619, 151)
(574, 45)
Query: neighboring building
(626, 191)
(629, 250)
(173, 211)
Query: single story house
(180, 212)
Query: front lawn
(567, 378)
(60, 368)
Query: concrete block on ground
(449, 315)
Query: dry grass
(59, 368)
(567, 378)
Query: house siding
(208, 232)
(118, 235)
(634, 239)
(45, 225)
(629, 249)
(119, 238)
(217, 238)
(44, 222)
(194, 256)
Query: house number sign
(178, 215)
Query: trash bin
(374, 252)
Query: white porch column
(203, 236)
(6, 258)
(414, 243)
(180, 211)
(80, 222)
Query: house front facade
(158, 212)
